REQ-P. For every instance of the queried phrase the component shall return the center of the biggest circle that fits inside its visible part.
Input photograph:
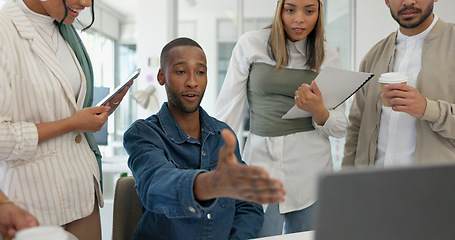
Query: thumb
(31, 221)
(315, 89)
(101, 109)
(228, 148)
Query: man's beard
(176, 101)
(411, 25)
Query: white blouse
(296, 159)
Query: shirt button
(209, 216)
(192, 209)
(78, 138)
(203, 153)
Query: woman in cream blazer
(46, 162)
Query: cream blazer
(435, 131)
(55, 180)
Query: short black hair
(182, 41)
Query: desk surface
(293, 236)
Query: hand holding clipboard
(336, 86)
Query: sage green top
(271, 95)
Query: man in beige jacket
(420, 125)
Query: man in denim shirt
(188, 170)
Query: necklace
(51, 36)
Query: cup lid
(42, 232)
(393, 77)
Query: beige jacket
(55, 180)
(435, 131)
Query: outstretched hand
(235, 180)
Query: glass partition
(339, 29)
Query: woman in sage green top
(269, 67)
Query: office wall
(154, 28)
(444, 10)
(153, 25)
(374, 22)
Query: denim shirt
(165, 161)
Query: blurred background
(130, 34)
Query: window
(338, 16)
(105, 54)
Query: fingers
(100, 117)
(398, 86)
(253, 184)
(244, 182)
(307, 93)
(315, 88)
(262, 190)
(25, 220)
(229, 139)
(310, 99)
(31, 220)
(101, 109)
(415, 108)
(242, 171)
(304, 89)
(90, 119)
(227, 151)
(404, 98)
(11, 233)
(400, 91)
(3, 229)
(17, 220)
(119, 97)
(101, 113)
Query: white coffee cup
(391, 77)
(44, 233)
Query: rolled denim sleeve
(248, 220)
(162, 187)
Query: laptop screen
(415, 203)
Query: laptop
(409, 203)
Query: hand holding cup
(391, 78)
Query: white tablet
(119, 88)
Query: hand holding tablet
(113, 99)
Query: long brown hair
(315, 41)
